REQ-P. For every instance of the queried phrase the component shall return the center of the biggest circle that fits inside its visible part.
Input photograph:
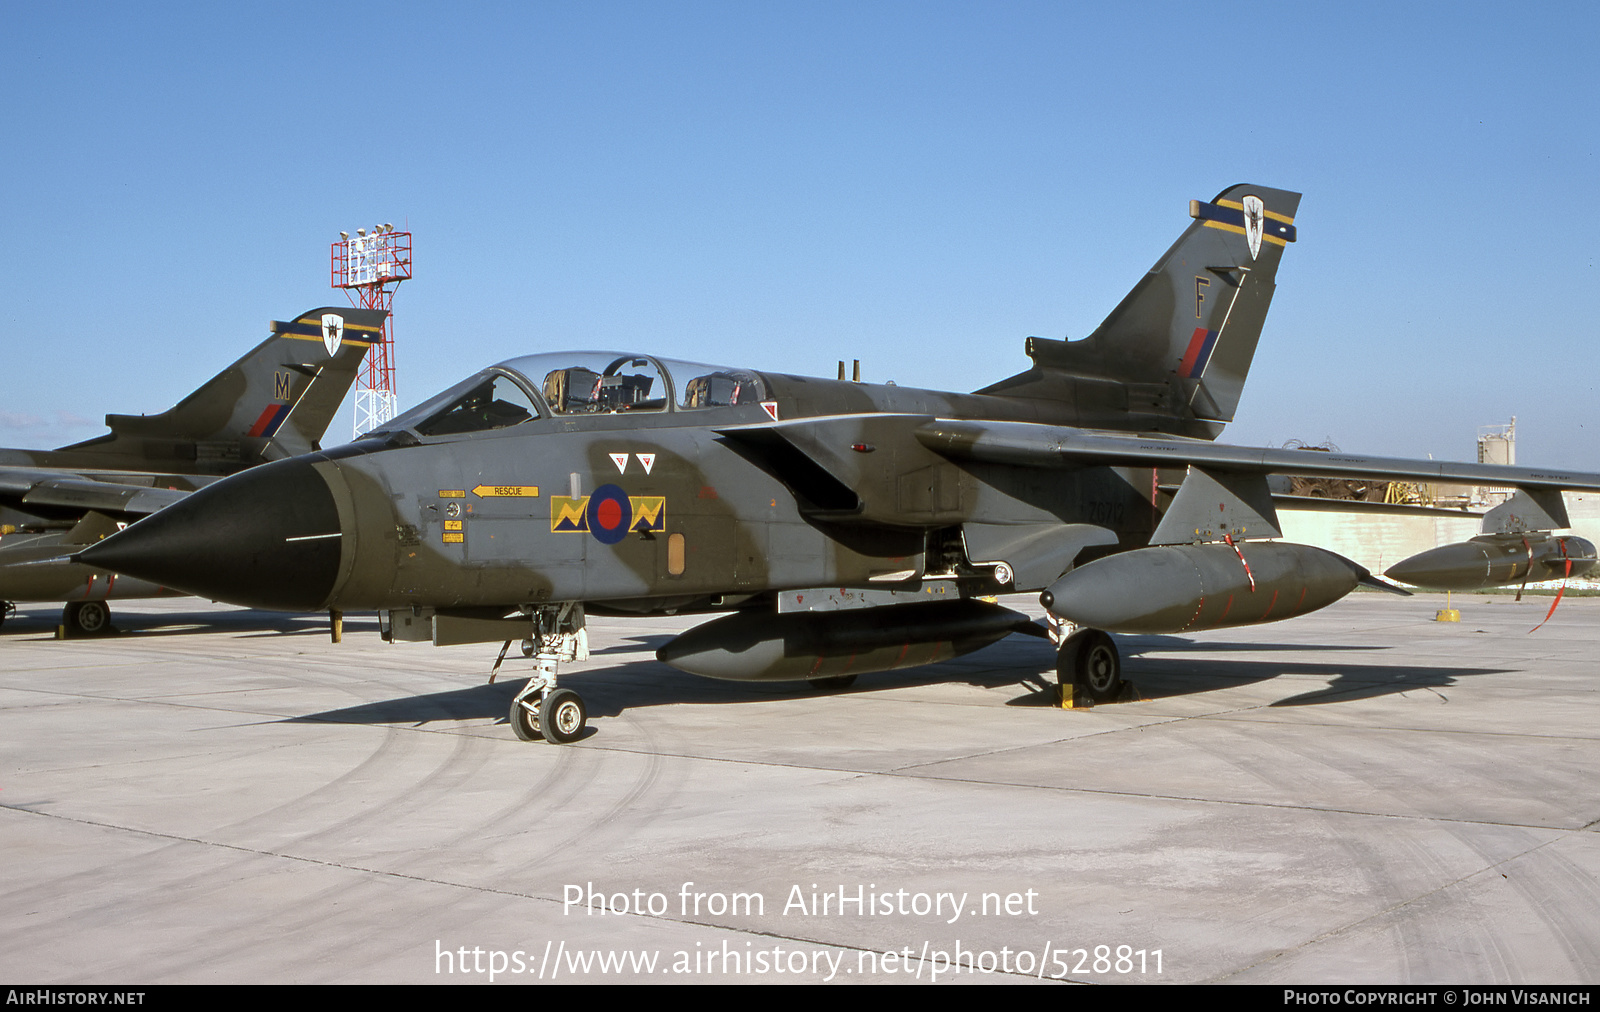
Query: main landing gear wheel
(86, 618)
(1088, 660)
(562, 716)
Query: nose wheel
(558, 715)
(562, 716)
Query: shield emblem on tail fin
(333, 331)
(1255, 217)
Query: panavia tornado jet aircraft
(275, 402)
(843, 527)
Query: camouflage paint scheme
(619, 482)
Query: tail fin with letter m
(276, 401)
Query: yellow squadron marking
(647, 512)
(567, 514)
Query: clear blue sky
(917, 185)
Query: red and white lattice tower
(369, 267)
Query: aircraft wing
(1226, 488)
(125, 494)
(1028, 444)
(812, 456)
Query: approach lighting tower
(369, 267)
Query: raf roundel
(610, 514)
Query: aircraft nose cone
(266, 538)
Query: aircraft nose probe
(269, 538)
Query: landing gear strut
(1088, 662)
(540, 709)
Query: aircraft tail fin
(1174, 354)
(276, 401)
(312, 411)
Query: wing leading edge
(1028, 444)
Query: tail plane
(277, 401)
(1173, 355)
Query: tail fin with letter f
(1174, 354)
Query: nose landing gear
(541, 709)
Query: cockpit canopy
(578, 383)
(492, 400)
(626, 384)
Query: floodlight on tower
(369, 268)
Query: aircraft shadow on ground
(1193, 672)
(1162, 678)
(1022, 662)
(1133, 646)
(633, 644)
(241, 623)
